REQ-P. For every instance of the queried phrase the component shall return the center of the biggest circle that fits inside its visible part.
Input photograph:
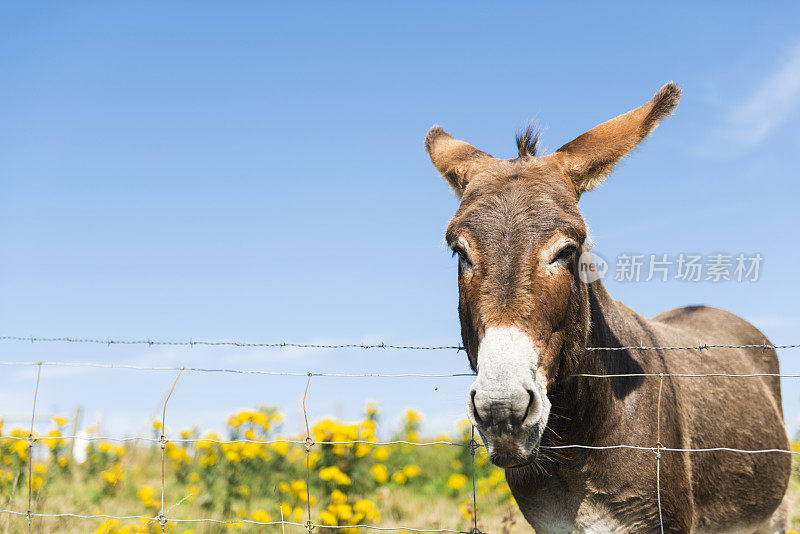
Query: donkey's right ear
(456, 160)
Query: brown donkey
(527, 320)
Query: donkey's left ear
(589, 158)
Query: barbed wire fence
(308, 443)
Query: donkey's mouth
(509, 461)
(509, 451)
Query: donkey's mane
(528, 141)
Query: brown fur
(511, 211)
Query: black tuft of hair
(528, 141)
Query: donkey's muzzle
(508, 401)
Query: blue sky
(255, 172)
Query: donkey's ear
(589, 158)
(456, 160)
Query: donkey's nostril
(478, 419)
(531, 409)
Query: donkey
(527, 320)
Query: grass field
(349, 484)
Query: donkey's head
(518, 236)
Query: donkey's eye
(565, 254)
(463, 260)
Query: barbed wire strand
(192, 343)
(31, 441)
(379, 345)
(700, 347)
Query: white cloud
(773, 102)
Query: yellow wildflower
(380, 473)
(334, 473)
(466, 509)
(410, 471)
(261, 516)
(456, 481)
(60, 421)
(328, 518)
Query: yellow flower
(410, 471)
(299, 486)
(113, 474)
(466, 509)
(328, 518)
(456, 481)
(344, 511)
(334, 473)
(285, 509)
(412, 416)
(261, 516)
(338, 497)
(60, 421)
(261, 419)
(157, 425)
(145, 494)
(382, 453)
(281, 447)
(380, 473)
(399, 478)
(107, 526)
(362, 449)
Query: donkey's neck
(583, 407)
